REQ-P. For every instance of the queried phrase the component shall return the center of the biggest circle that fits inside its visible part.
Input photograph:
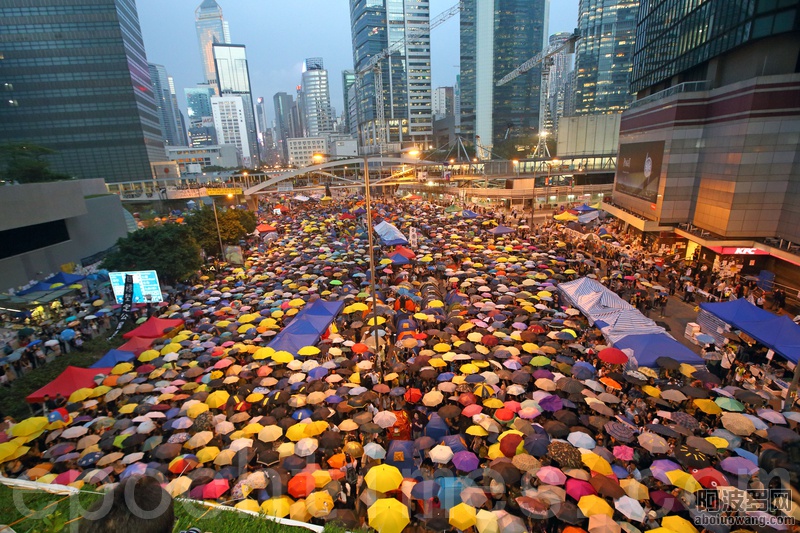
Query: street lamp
(216, 221)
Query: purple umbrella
(667, 501)
(660, 467)
(551, 475)
(543, 373)
(739, 466)
(466, 461)
(136, 469)
(551, 403)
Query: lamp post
(216, 221)
(550, 166)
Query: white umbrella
(385, 419)
(441, 454)
(306, 447)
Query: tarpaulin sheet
(70, 380)
(647, 348)
(113, 357)
(307, 327)
(154, 327)
(389, 234)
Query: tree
(26, 163)
(204, 228)
(247, 219)
(170, 250)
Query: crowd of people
(465, 394)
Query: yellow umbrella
(486, 522)
(388, 515)
(100, 391)
(686, 369)
(195, 410)
(477, 431)
(437, 363)
(678, 524)
(217, 399)
(244, 328)
(282, 357)
(469, 369)
(655, 392)
(277, 506)
(121, 368)
(263, 353)
(321, 478)
(296, 432)
(270, 433)
(8, 448)
(684, 480)
(376, 321)
(248, 505)
(252, 429)
(442, 347)
(383, 478)
(178, 486)
(128, 408)
(719, 442)
(597, 464)
(80, 395)
(315, 428)
(707, 406)
(299, 512)
(308, 350)
(634, 489)
(206, 455)
(591, 505)
(319, 504)
(148, 355)
(435, 303)
(171, 348)
(649, 372)
(463, 516)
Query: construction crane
(373, 64)
(542, 57)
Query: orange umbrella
(608, 382)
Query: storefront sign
(731, 250)
(223, 191)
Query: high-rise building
(261, 122)
(406, 74)
(604, 55)
(230, 124)
(348, 80)
(496, 37)
(316, 98)
(169, 114)
(710, 146)
(211, 30)
(442, 103)
(560, 67)
(76, 81)
(233, 79)
(201, 119)
(283, 123)
(457, 103)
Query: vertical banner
(413, 238)
(127, 305)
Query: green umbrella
(119, 440)
(729, 404)
(336, 282)
(540, 360)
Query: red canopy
(405, 252)
(70, 380)
(154, 327)
(266, 228)
(136, 345)
(347, 216)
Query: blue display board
(145, 286)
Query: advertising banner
(145, 286)
(127, 305)
(639, 169)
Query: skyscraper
(233, 79)
(169, 114)
(496, 37)
(76, 80)
(442, 102)
(348, 80)
(604, 55)
(379, 24)
(201, 119)
(261, 122)
(560, 66)
(283, 122)
(316, 98)
(230, 124)
(211, 29)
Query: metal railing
(685, 87)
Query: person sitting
(137, 505)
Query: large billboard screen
(639, 169)
(145, 286)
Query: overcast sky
(280, 34)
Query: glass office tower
(316, 98)
(233, 79)
(76, 80)
(211, 29)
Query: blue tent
(66, 279)
(389, 234)
(401, 456)
(307, 327)
(399, 259)
(583, 209)
(649, 347)
(437, 428)
(466, 213)
(501, 230)
(778, 333)
(41, 286)
(113, 357)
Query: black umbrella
(619, 431)
(685, 419)
(668, 363)
(691, 457)
(694, 392)
(750, 397)
(662, 430)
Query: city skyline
(170, 39)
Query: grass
(12, 399)
(53, 519)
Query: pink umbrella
(223, 363)
(215, 489)
(471, 410)
(624, 453)
(551, 475)
(577, 488)
(65, 478)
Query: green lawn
(12, 399)
(53, 519)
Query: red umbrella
(413, 395)
(504, 415)
(577, 488)
(615, 356)
(301, 485)
(536, 328)
(710, 477)
(145, 369)
(65, 478)
(490, 341)
(215, 489)
(360, 348)
(509, 443)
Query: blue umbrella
(318, 372)
(68, 334)
(301, 414)
(579, 439)
(450, 490)
(425, 490)
(705, 338)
